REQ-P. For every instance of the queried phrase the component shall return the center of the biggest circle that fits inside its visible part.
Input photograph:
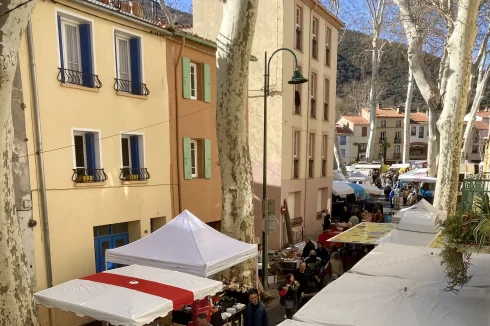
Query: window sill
(89, 184)
(316, 59)
(136, 182)
(141, 97)
(297, 114)
(80, 87)
(299, 50)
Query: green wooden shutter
(207, 159)
(186, 77)
(187, 159)
(207, 83)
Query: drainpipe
(39, 153)
(308, 115)
(177, 121)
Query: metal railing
(74, 77)
(130, 174)
(398, 140)
(397, 155)
(88, 175)
(128, 86)
(382, 140)
(148, 10)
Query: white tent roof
(408, 238)
(358, 300)
(370, 189)
(337, 175)
(342, 189)
(419, 175)
(368, 166)
(419, 263)
(399, 166)
(186, 244)
(126, 303)
(358, 176)
(423, 205)
(421, 217)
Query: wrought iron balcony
(397, 155)
(128, 86)
(74, 77)
(398, 140)
(88, 175)
(130, 174)
(382, 140)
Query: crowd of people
(319, 267)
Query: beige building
(301, 119)
(104, 120)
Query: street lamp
(296, 79)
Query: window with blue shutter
(90, 153)
(135, 55)
(135, 154)
(88, 167)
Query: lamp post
(296, 79)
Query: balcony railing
(132, 87)
(310, 168)
(74, 77)
(325, 111)
(324, 168)
(148, 10)
(88, 175)
(397, 155)
(295, 168)
(313, 108)
(382, 140)
(130, 174)
(398, 140)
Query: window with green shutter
(207, 83)
(207, 159)
(187, 158)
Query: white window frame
(398, 123)
(193, 66)
(383, 123)
(97, 143)
(129, 34)
(413, 128)
(382, 135)
(64, 22)
(342, 152)
(398, 134)
(314, 26)
(296, 140)
(397, 149)
(141, 148)
(121, 37)
(194, 143)
(421, 133)
(298, 18)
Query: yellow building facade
(103, 107)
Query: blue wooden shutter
(135, 154)
(207, 83)
(60, 41)
(135, 53)
(86, 54)
(207, 159)
(90, 153)
(187, 158)
(186, 77)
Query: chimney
(399, 109)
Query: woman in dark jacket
(289, 295)
(322, 253)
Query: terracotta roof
(341, 130)
(483, 114)
(355, 119)
(386, 113)
(480, 125)
(418, 118)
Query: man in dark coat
(256, 312)
(309, 246)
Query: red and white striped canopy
(133, 295)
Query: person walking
(256, 313)
(302, 275)
(309, 246)
(289, 296)
(334, 267)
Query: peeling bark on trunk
(406, 128)
(450, 124)
(232, 58)
(432, 143)
(16, 300)
(339, 159)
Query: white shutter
(123, 63)
(72, 47)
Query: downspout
(39, 153)
(308, 114)
(177, 122)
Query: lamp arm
(282, 49)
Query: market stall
(133, 295)
(362, 300)
(185, 244)
(358, 177)
(419, 175)
(364, 233)
(420, 263)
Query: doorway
(108, 237)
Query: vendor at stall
(202, 320)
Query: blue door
(104, 243)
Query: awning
(368, 166)
(364, 233)
(419, 175)
(408, 238)
(372, 190)
(342, 189)
(358, 176)
(133, 295)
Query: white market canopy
(408, 238)
(418, 211)
(419, 175)
(342, 189)
(399, 166)
(368, 166)
(186, 244)
(359, 300)
(370, 189)
(337, 175)
(420, 263)
(358, 176)
(132, 295)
